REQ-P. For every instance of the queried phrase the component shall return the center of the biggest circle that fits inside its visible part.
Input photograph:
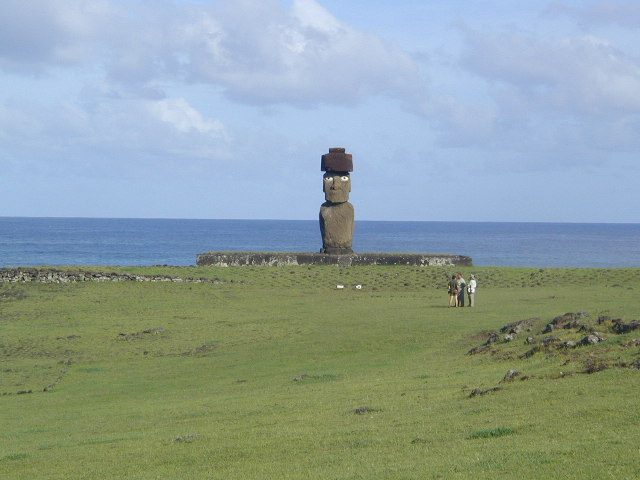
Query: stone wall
(49, 275)
(229, 259)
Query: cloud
(134, 64)
(112, 136)
(184, 118)
(262, 54)
(545, 100)
(584, 74)
(601, 12)
(38, 34)
(257, 51)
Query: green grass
(273, 373)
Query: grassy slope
(210, 391)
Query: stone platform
(281, 259)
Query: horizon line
(314, 220)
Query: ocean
(129, 242)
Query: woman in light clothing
(471, 290)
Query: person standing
(453, 292)
(471, 290)
(461, 289)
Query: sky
(453, 110)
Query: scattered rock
(603, 319)
(22, 392)
(593, 365)
(585, 328)
(363, 410)
(419, 440)
(190, 437)
(573, 325)
(546, 341)
(50, 275)
(620, 327)
(130, 336)
(530, 341)
(530, 353)
(519, 326)
(633, 343)
(300, 377)
(592, 339)
(48, 388)
(569, 344)
(478, 391)
(549, 328)
(635, 364)
(510, 376)
(479, 349)
(567, 321)
(155, 331)
(204, 348)
(493, 338)
(509, 337)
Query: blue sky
(454, 110)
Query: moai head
(336, 181)
(336, 186)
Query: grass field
(274, 373)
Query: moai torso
(337, 214)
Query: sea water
(102, 241)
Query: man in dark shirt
(453, 292)
(461, 286)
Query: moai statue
(336, 214)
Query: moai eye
(344, 178)
(328, 179)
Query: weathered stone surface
(519, 326)
(478, 391)
(336, 187)
(510, 376)
(336, 226)
(49, 275)
(591, 340)
(281, 259)
(492, 338)
(336, 214)
(509, 337)
(336, 161)
(479, 349)
(620, 327)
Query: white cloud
(552, 100)
(262, 54)
(184, 118)
(578, 75)
(112, 136)
(36, 34)
(258, 51)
